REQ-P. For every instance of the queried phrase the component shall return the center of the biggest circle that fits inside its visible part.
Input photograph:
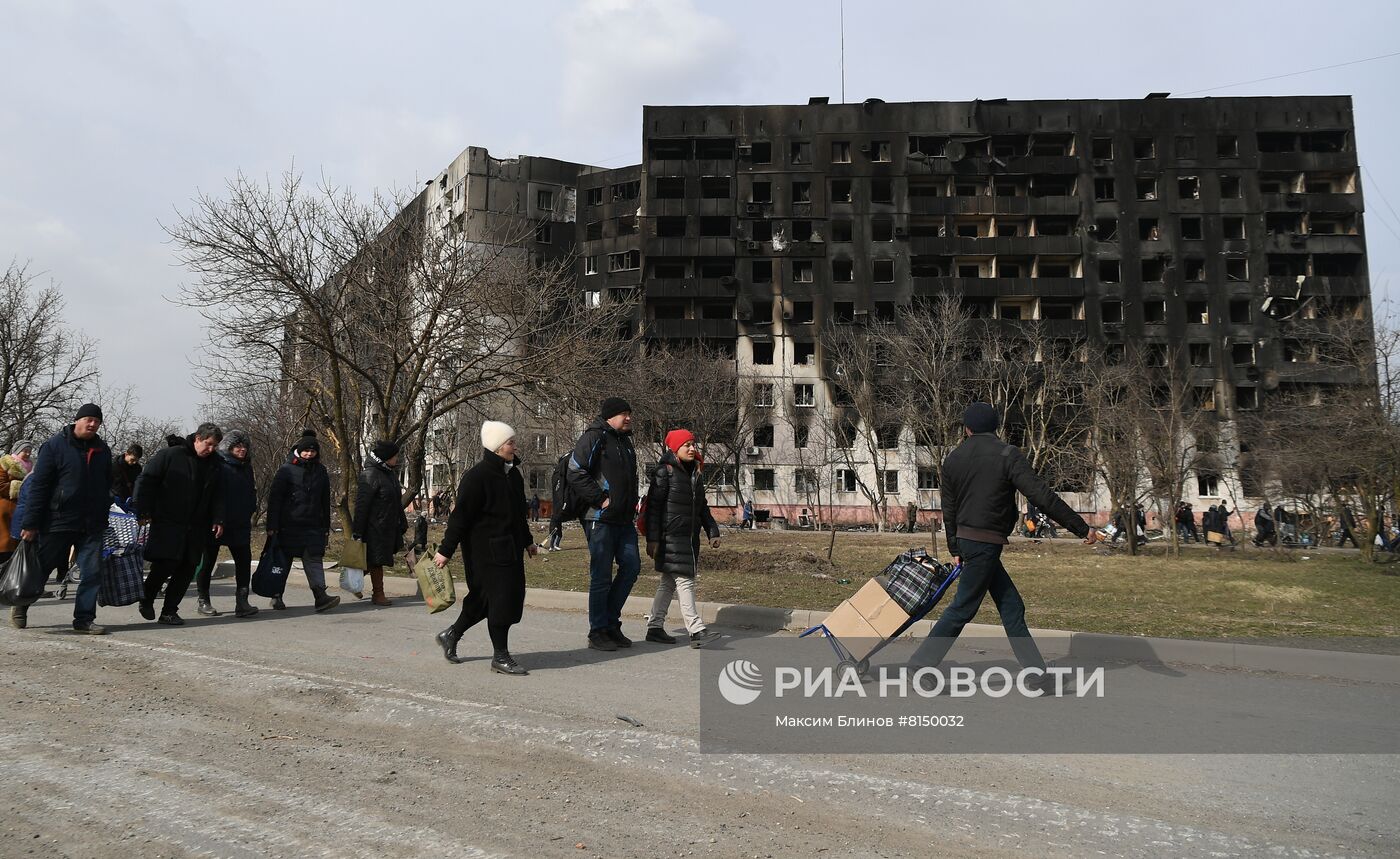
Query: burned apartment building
(1202, 228)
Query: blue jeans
(607, 595)
(53, 554)
(982, 573)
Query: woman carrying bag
(491, 522)
(676, 511)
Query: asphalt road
(347, 734)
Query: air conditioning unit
(787, 314)
(753, 451)
(866, 147)
(753, 208)
(901, 232)
(745, 149)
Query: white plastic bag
(352, 579)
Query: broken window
(1240, 312)
(626, 190)
(1010, 269)
(800, 152)
(1227, 146)
(1198, 312)
(1325, 141)
(927, 186)
(1287, 265)
(670, 227)
(664, 268)
(1104, 189)
(1149, 230)
(1054, 267)
(663, 149)
(1109, 271)
(1051, 186)
(627, 225)
(1101, 148)
(1153, 268)
(928, 266)
(1146, 189)
(843, 311)
(593, 197)
(930, 146)
(670, 188)
(1337, 265)
(801, 271)
(804, 395)
(1236, 268)
(1007, 228)
(1055, 145)
(1185, 147)
(668, 311)
(804, 352)
(1191, 229)
(761, 231)
(1232, 227)
(841, 152)
(1154, 311)
(1046, 225)
(1277, 141)
(842, 271)
(763, 315)
(801, 192)
(1283, 223)
(881, 191)
(879, 150)
(715, 148)
(802, 312)
(882, 270)
(763, 435)
(1061, 308)
(593, 231)
(716, 227)
(969, 270)
(881, 230)
(590, 265)
(840, 190)
(761, 192)
(841, 230)
(1188, 188)
(762, 271)
(967, 189)
(1106, 229)
(1112, 311)
(1229, 187)
(1193, 270)
(711, 269)
(1198, 354)
(714, 187)
(544, 233)
(1144, 147)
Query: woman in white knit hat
(491, 521)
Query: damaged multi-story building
(1199, 225)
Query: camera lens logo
(740, 682)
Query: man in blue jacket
(68, 496)
(603, 474)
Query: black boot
(206, 608)
(277, 604)
(503, 663)
(241, 606)
(324, 601)
(657, 635)
(447, 640)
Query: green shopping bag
(437, 586)
(352, 554)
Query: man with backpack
(603, 475)
(562, 505)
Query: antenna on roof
(843, 51)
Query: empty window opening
(762, 271)
(1236, 268)
(1053, 226)
(594, 231)
(663, 149)
(841, 231)
(933, 147)
(1101, 148)
(1199, 354)
(968, 189)
(843, 312)
(1153, 268)
(1154, 311)
(802, 231)
(712, 269)
(881, 230)
(761, 192)
(1325, 141)
(1008, 229)
(881, 191)
(670, 227)
(761, 231)
(1112, 311)
(668, 311)
(714, 187)
(1227, 146)
(1232, 227)
(1051, 267)
(969, 270)
(761, 152)
(802, 312)
(1283, 223)
(1191, 229)
(1197, 312)
(840, 190)
(804, 352)
(1007, 268)
(1104, 189)
(1229, 187)
(1277, 141)
(1246, 399)
(1287, 265)
(1336, 265)
(1146, 189)
(927, 186)
(1052, 144)
(882, 270)
(763, 315)
(667, 269)
(763, 435)
(1149, 230)
(841, 152)
(1106, 229)
(1109, 271)
(879, 150)
(670, 188)
(1188, 188)
(800, 152)
(1059, 308)
(712, 226)
(801, 192)
(1051, 186)
(715, 148)
(1193, 270)
(1241, 312)
(842, 271)
(801, 271)
(929, 266)
(1144, 147)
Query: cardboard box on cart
(870, 614)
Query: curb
(989, 639)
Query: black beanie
(385, 450)
(981, 417)
(89, 410)
(613, 406)
(307, 442)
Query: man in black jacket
(67, 498)
(180, 493)
(979, 484)
(240, 494)
(124, 474)
(603, 474)
(299, 517)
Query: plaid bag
(913, 578)
(123, 532)
(122, 581)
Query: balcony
(1307, 161)
(691, 329)
(984, 205)
(995, 287)
(1311, 202)
(1321, 243)
(689, 287)
(1288, 287)
(1021, 245)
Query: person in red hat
(676, 510)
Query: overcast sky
(113, 114)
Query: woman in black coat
(491, 522)
(379, 520)
(676, 511)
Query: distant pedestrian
(12, 475)
(489, 523)
(535, 507)
(1347, 523)
(676, 513)
(180, 492)
(559, 492)
(124, 473)
(1265, 532)
(64, 506)
(603, 474)
(379, 520)
(911, 517)
(240, 494)
(299, 517)
(746, 515)
(1222, 518)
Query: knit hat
(612, 407)
(677, 437)
(981, 417)
(237, 437)
(89, 410)
(495, 433)
(308, 442)
(384, 450)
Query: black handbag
(22, 582)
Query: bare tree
(380, 324)
(44, 362)
(270, 416)
(1115, 396)
(1178, 436)
(864, 389)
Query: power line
(1376, 185)
(1293, 74)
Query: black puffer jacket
(676, 510)
(181, 494)
(124, 476)
(240, 499)
(70, 487)
(490, 522)
(299, 507)
(379, 518)
(980, 480)
(604, 465)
